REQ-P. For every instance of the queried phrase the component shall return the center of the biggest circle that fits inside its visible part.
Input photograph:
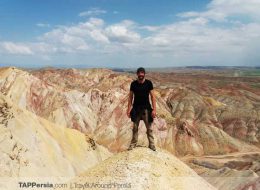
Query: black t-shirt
(141, 93)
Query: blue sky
(129, 33)
(22, 15)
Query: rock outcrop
(32, 146)
(141, 168)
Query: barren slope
(142, 168)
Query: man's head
(140, 73)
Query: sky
(129, 33)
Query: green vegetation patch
(253, 72)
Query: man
(141, 88)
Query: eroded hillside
(79, 118)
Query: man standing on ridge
(141, 110)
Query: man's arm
(152, 94)
(130, 99)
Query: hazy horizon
(131, 68)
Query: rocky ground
(142, 168)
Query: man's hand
(128, 113)
(153, 113)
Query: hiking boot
(131, 146)
(152, 147)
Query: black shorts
(135, 111)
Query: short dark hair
(140, 69)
